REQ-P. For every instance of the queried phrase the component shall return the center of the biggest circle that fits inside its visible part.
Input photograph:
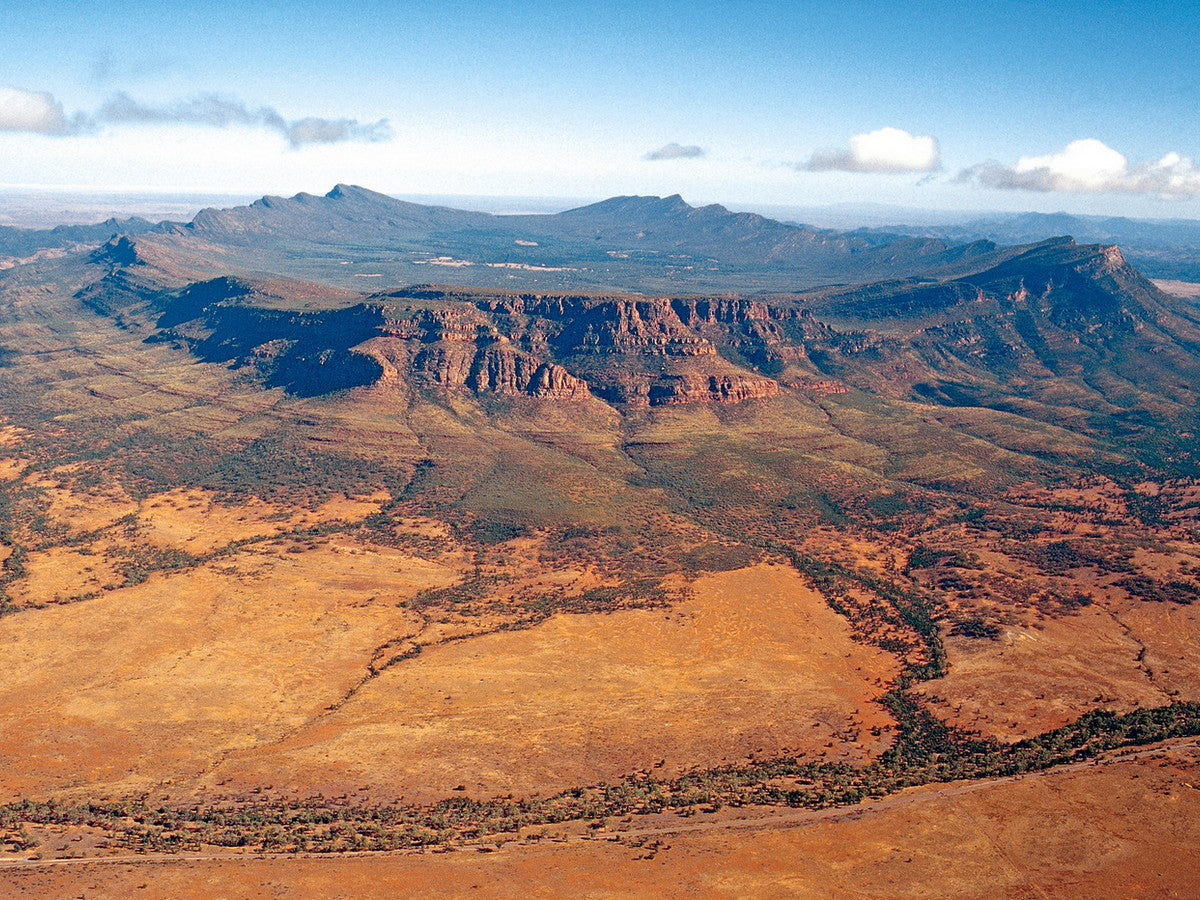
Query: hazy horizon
(46, 206)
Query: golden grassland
(1032, 679)
(754, 664)
(163, 690)
(157, 681)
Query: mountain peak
(354, 192)
(119, 251)
(632, 206)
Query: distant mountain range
(1162, 248)
(633, 243)
(21, 242)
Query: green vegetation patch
(1143, 587)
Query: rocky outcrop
(495, 368)
(554, 382)
(713, 388)
(818, 387)
(649, 327)
(118, 252)
(635, 350)
(699, 311)
(669, 390)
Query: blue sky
(1088, 107)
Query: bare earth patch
(193, 520)
(82, 511)
(11, 468)
(1033, 679)
(1178, 288)
(61, 574)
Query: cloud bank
(885, 150)
(38, 112)
(226, 112)
(675, 151)
(1090, 166)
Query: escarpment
(622, 349)
(1053, 309)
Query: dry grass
(81, 511)
(755, 663)
(158, 681)
(1039, 677)
(10, 469)
(193, 520)
(1178, 288)
(60, 574)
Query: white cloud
(884, 150)
(32, 111)
(675, 151)
(1090, 166)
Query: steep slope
(1162, 248)
(1057, 326)
(1057, 331)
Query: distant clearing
(1179, 288)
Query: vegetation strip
(927, 753)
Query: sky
(1086, 107)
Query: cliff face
(718, 388)
(496, 368)
(622, 349)
(628, 350)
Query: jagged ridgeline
(626, 243)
